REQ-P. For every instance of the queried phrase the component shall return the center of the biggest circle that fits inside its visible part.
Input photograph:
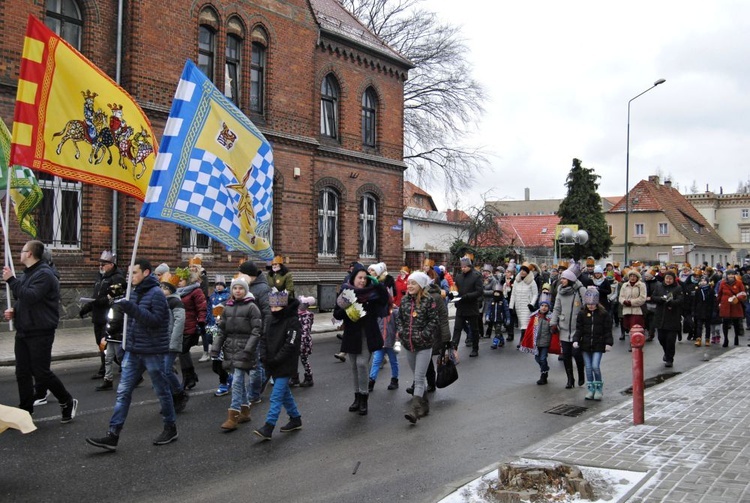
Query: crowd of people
(257, 331)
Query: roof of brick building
(528, 231)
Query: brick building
(324, 91)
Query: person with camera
(668, 297)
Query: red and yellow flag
(75, 122)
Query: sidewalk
(693, 447)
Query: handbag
(554, 343)
(447, 373)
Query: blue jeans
(592, 361)
(132, 369)
(377, 359)
(257, 378)
(241, 381)
(281, 395)
(174, 381)
(541, 358)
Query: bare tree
(441, 99)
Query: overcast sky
(559, 75)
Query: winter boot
(598, 390)
(244, 416)
(590, 394)
(354, 407)
(569, 372)
(509, 329)
(231, 423)
(394, 383)
(581, 377)
(425, 405)
(363, 404)
(410, 389)
(371, 385)
(413, 414)
(488, 332)
(308, 382)
(294, 380)
(265, 431)
(180, 401)
(698, 343)
(189, 378)
(104, 386)
(726, 342)
(295, 423)
(543, 378)
(736, 340)
(708, 341)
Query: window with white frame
(329, 107)
(368, 211)
(640, 230)
(663, 229)
(328, 217)
(369, 115)
(193, 241)
(744, 213)
(58, 217)
(232, 69)
(745, 235)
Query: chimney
(654, 179)
(668, 184)
(526, 194)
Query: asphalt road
(494, 410)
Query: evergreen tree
(583, 207)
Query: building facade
(326, 93)
(729, 214)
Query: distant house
(428, 233)
(664, 227)
(729, 214)
(532, 237)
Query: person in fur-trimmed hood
(632, 298)
(279, 276)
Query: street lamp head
(582, 237)
(566, 235)
(660, 81)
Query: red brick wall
(159, 37)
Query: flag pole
(8, 253)
(129, 276)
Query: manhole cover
(653, 381)
(567, 410)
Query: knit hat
(465, 262)
(569, 275)
(306, 301)
(248, 267)
(378, 269)
(241, 282)
(500, 269)
(544, 303)
(277, 298)
(161, 269)
(487, 267)
(670, 272)
(524, 267)
(591, 296)
(575, 269)
(420, 278)
(598, 270)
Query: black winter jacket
(148, 319)
(376, 306)
(37, 306)
(279, 347)
(668, 300)
(99, 307)
(240, 329)
(471, 290)
(593, 330)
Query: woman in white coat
(568, 302)
(524, 296)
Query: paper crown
(278, 259)
(170, 279)
(278, 299)
(196, 260)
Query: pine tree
(583, 207)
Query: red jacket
(195, 307)
(400, 289)
(727, 291)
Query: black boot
(726, 341)
(354, 407)
(569, 373)
(294, 380)
(488, 332)
(736, 340)
(394, 384)
(371, 385)
(509, 329)
(410, 389)
(543, 378)
(189, 378)
(363, 404)
(581, 377)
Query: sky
(559, 74)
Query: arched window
(206, 50)
(369, 115)
(329, 107)
(58, 217)
(368, 220)
(328, 222)
(232, 73)
(258, 70)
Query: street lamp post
(627, 172)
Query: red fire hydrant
(637, 341)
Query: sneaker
(205, 357)
(108, 442)
(255, 401)
(42, 400)
(341, 356)
(168, 435)
(69, 410)
(295, 423)
(265, 431)
(104, 386)
(222, 390)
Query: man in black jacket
(109, 275)
(470, 291)
(36, 313)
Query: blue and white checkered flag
(214, 170)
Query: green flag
(21, 184)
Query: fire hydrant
(637, 341)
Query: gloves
(531, 307)
(575, 345)
(607, 348)
(85, 309)
(451, 294)
(626, 303)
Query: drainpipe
(118, 71)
